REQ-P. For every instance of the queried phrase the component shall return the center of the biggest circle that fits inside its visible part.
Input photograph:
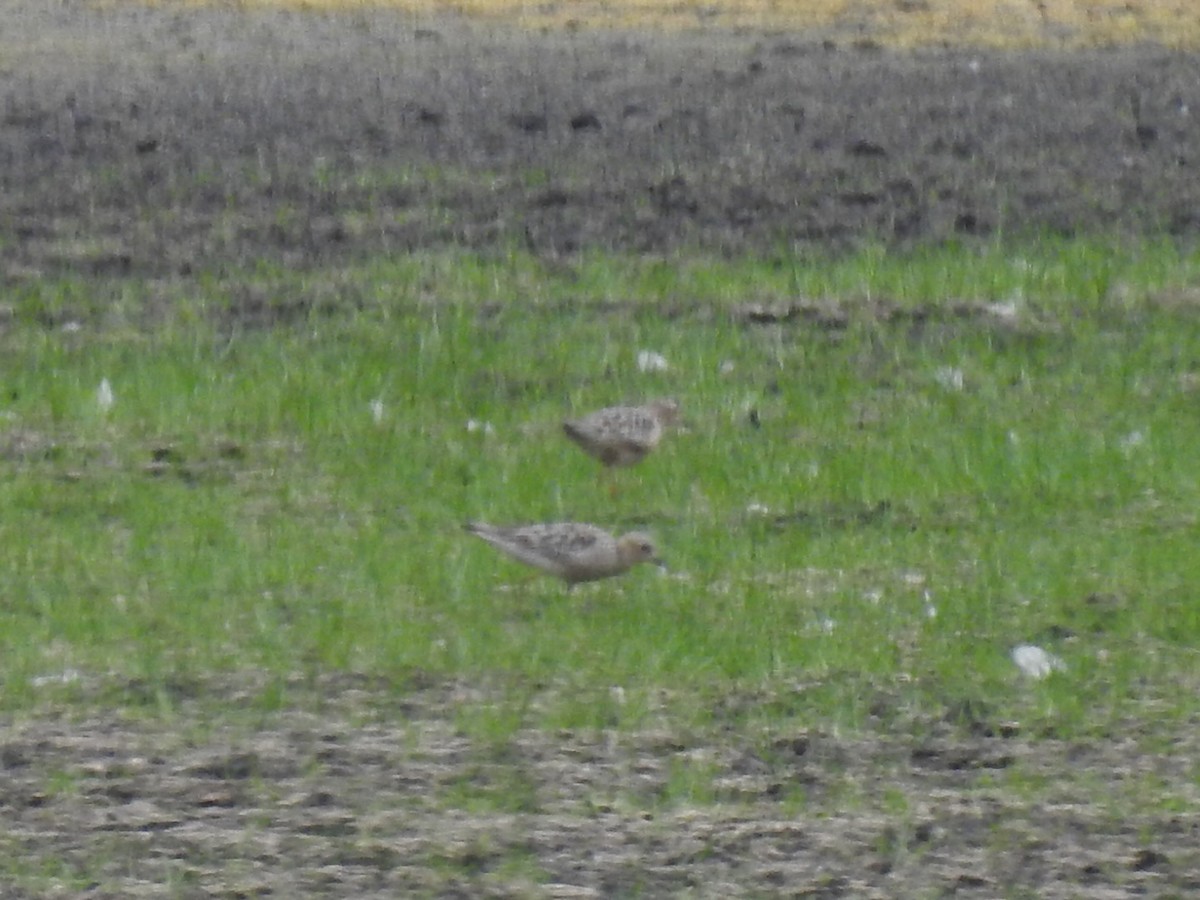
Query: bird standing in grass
(572, 551)
(622, 435)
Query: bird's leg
(609, 480)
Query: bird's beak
(661, 563)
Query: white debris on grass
(376, 407)
(949, 377)
(1036, 662)
(477, 426)
(726, 367)
(650, 361)
(1003, 311)
(1130, 442)
(66, 676)
(758, 509)
(104, 396)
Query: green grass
(928, 485)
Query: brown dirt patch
(383, 795)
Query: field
(290, 295)
(1006, 24)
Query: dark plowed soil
(163, 141)
(396, 801)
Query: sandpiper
(622, 435)
(572, 551)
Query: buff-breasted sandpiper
(622, 435)
(572, 551)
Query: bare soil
(168, 142)
(165, 141)
(378, 793)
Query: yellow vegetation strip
(905, 23)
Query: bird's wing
(559, 543)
